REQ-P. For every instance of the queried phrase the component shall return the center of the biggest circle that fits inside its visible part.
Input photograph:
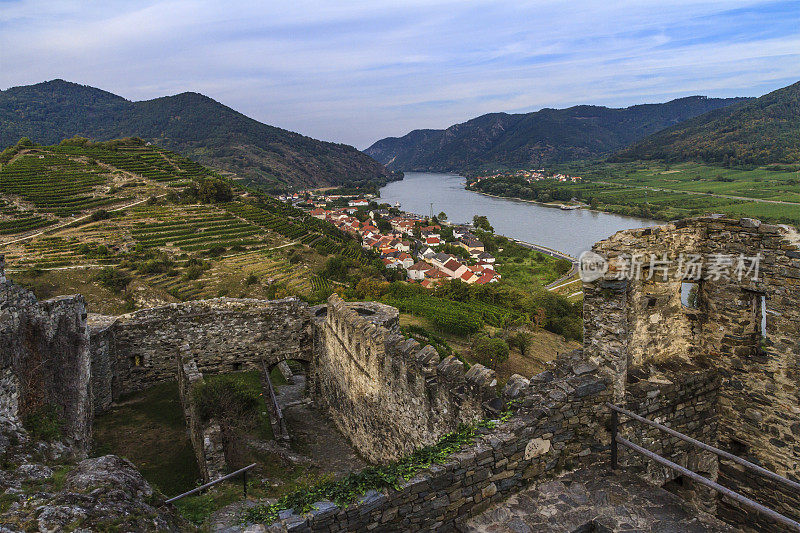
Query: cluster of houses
(322, 200)
(414, 247)
(532, 175)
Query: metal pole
(614, 431)
(244, 483)
(703, 445)
(211, 483)
(747, 502)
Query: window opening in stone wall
(690, 294)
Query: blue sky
(357, 71)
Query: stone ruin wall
(134, 351)
(562, 424)
(44, 360)
(387, 393)
(206, 437)
(686, 403)
(638, 330)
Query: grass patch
(148, 429)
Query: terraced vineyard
(160, 243)
(201, 228)
(53, 183)
(152, 163)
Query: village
(425, 250)
(531, 176)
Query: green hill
(755, 132)
(543, 137)
(127, 224)
(189, 123)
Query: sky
(357, 71)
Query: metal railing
(617, 440)
(241, 472)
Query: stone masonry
(740, 334)
(561, 425)
(44, 360)
(385, 392)
(134, 351)
(206, 437)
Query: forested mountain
(189, 123)
(538, 138)
(756, 132)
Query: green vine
(353, 486)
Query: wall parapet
(137, 350)
(388, 393)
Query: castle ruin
(722, 368)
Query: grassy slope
(266, 250)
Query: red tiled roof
(452, 265)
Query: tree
(520, 340)
(490, 351)
(442, 216)
(383, 225)
(211, 190)
(482, 222)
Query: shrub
(226, 395)
(251, 279)
(490, 351)
(193, 272)
(216, 250)
(100, 214)
(113, 279)
(520, 340)
(155, 266)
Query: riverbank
(658, 191)
(568, 231)
(558, 206)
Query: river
(571, 232)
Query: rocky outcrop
(98, 494)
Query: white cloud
(355, 71)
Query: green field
(666, 192)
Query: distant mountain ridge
(538, 138)
(190, 123)
(762, 131)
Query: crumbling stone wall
(388, 394)
(205, 436)
(101, 347)
(223, 334)
(44, 360)
(634, 326)
(562, 423)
